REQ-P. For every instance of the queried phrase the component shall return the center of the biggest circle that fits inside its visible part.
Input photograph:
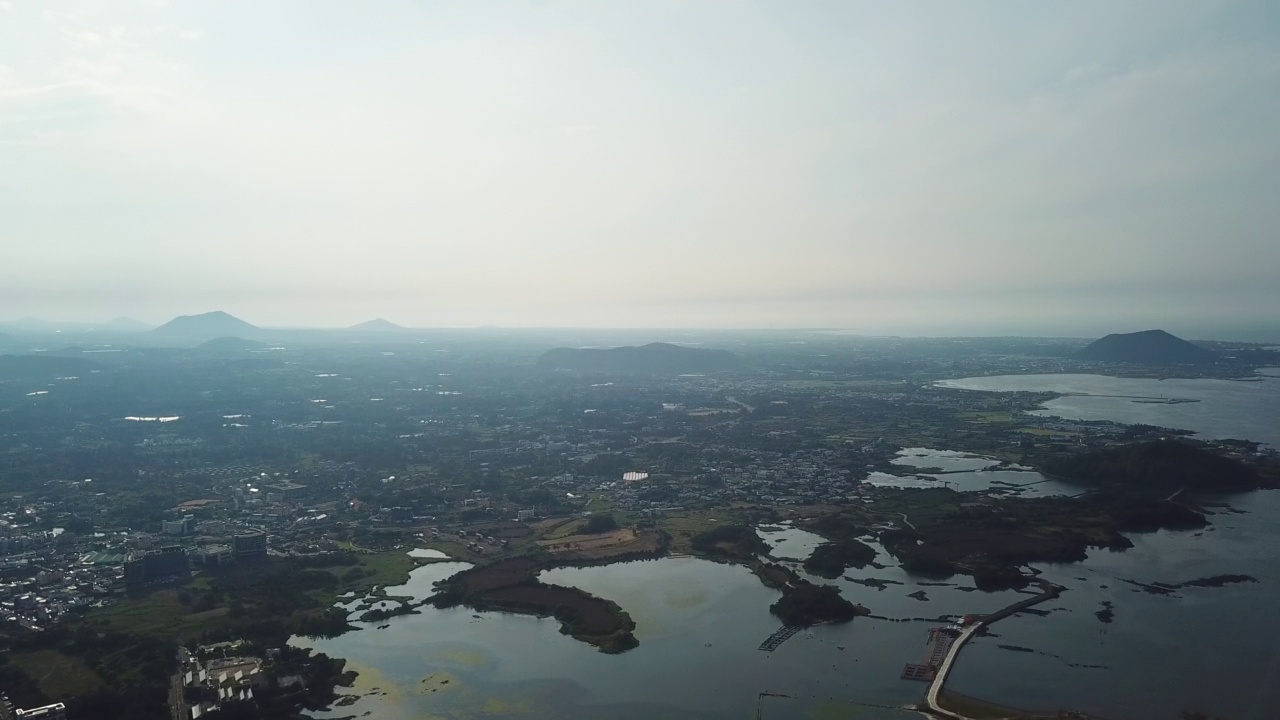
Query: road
(941, 678)
(177, 708)
(1048, 591)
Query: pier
(779, 636)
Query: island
(803, 604)
(831, 559)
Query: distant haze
(996, 168)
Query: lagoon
(1247, 409)
(699, 623)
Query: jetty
(779, 636)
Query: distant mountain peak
(208, 325)
(655, 357)
(127, 323)
(378, 325)
(1147, 347)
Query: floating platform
(939, 643)
(779, 636)
(923, 673)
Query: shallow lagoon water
(1023, 483)
(968, 472)
(699, 623)
(949, 460)
(1211, 649)
(788, 542)
(428, 553)
(1222, 409)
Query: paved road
(177, 708)
(1048, 591)
(941, 678)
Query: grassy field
(161, 613)
(158, 613)
(561, 528)
(1042, 432)
(388, 568)
(621, 536)
(682, 527)
(58, 675)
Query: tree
(600, 524)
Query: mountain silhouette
(208, 325)
(1149, 347)
(655, 357)
(378, 325)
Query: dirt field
(506, 529)
(621, 536)
(622, 541)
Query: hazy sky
(889, 167)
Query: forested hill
(1162, 464)
(207, 325)
(1149, 347)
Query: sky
(908, 168)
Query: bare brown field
(623, 541)
(589, 542)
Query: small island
(803, 604)
(831, 559)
